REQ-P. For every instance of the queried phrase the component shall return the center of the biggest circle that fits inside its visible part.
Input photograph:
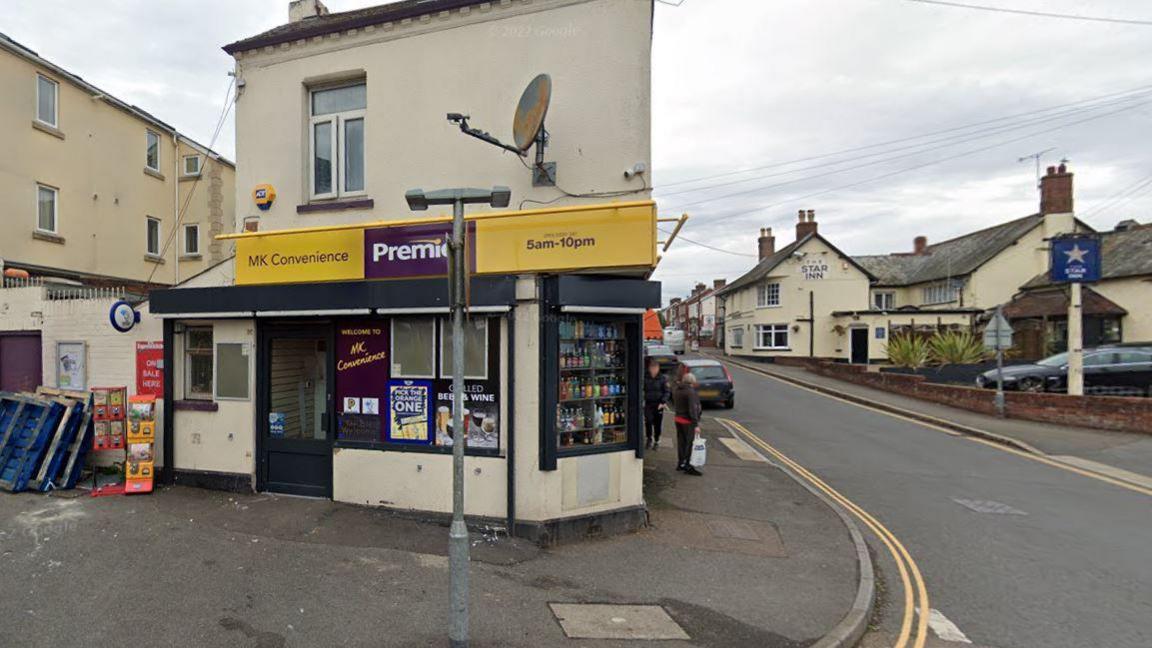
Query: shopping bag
(699, 452)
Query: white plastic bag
(699, 452)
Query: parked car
(674, 338)
(1121, 367)
(715, 383)
(663, 355)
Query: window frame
(764, 294)
(148, 135)
(337, 143)
(184, 244)
(55, 208)
(444, 329)
(431, 320)
(55, 123)
(210, 351)
(148, 220)
(737, 335)
(247, 355)
(773, 329)
(890, 298)
(184, 165)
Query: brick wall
(1102, 412)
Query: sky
(889, 118)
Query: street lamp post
(418, 200)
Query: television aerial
(527, 129)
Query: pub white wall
(598, 53)
(224, 440)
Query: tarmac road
(1015, 553)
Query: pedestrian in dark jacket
(656, 395)
(686, 402)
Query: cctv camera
(636, 169)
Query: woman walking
(686, 402)
(656, 394)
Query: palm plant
(908, 350)
(956, 347)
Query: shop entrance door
(296, 411)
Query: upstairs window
(191, 240)
(152, 235)
(336, 131)
(191, 165)
(942, 292)
(768, 294)
(47, 92)
(152, 153)
(884, 300)
(46, 209)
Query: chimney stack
(806, 224)
(717, 284)
(920, 245)
(1056, 191)
(767, 243)
(301, 9)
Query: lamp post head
(417, 201)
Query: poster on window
(361, 379)
(481, 414)
(71, 365)
(410, 411)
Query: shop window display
(592, 402)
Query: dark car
(714, 381)
(663, 355)
(1119, 369)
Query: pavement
(1015, 551)
(1124, 455)
(742, 556)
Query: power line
(1132, 91)
(705, 245)
(954, 139)
(1042, 14)
(1124, 195)
(928, 163)
(928, 150)
(229, 100)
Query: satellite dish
(527, 129)
(530, 112)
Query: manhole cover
(988, 506)
(732, 529)
(603, 621)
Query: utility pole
(458, 531)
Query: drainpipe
(176, 204)
(811, 324)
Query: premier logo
(416, 250)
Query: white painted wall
(597, 52)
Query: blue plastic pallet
(57, 451)
(25, 440)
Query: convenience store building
(325, 369)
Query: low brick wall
(1101, 412)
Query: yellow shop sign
(304, 257)
(605, 236)
(617, 235)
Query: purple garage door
(20, 368)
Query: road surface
(1014, 553)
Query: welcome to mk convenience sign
(621, 235)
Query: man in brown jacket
(686, 402)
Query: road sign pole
(999, 365)
(1075, 341)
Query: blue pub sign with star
(1075, 259)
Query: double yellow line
(915, 593)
